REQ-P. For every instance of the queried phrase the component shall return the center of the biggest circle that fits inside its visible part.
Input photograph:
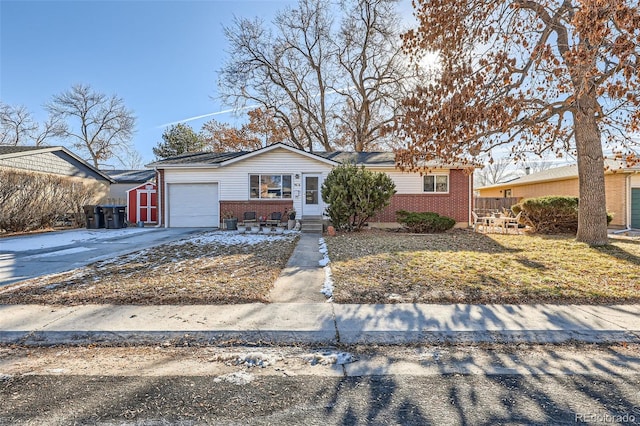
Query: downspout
(470, 199)
(159, 193)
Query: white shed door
(193, 205)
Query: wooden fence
(486, 205)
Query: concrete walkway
(300, 314)
(301, 280)
(319, 323)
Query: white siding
(635, 181)
(409, 183)
(233, 180)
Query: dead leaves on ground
(461, 266)
(195, 271)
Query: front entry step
(312, 224)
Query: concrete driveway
(32, 256)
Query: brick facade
(262, 208)
(455, 204)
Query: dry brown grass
(461, 266)
(201, 270)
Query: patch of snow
(64, 238)
(237, 378)
(255, 359)
(60, 252)
(330, 358)
(327, 287)
(233, 238)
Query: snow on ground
(327, 287)
(256, 359)
(237, 378)
(60, 252)
(64, 238)
(233, 238)
(329, 358)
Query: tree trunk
(592, 213)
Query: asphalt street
(31, 256)
(219, 391)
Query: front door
(635, 208)
(312, 200)
(147, 203)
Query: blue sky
(161, 57)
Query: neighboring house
(622, 185)
(194, 189)
(55, 160)
(124, 180)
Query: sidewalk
(299, 314)
(317, 323)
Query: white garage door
(193, 205)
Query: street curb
(189, 338)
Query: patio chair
(249, 218)
(513, 222)
(274, 219)
(477, 222)
(487, 223)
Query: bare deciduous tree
(95, 124)
(495, 171)
(17, 127)
(286, 72)
(375, 72)
(330, 83)
(538, 75)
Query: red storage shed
(142, 203)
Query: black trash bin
(93, 217)
(114, 217)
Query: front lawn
(212, 268)
(461, 266)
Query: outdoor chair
(249, 218)
(274, 219)
(513, 223)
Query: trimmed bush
(355, 194)
(30, 201)
(424, 223)
(550, 215)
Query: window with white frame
(436, 183)
(269, 186)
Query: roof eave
(277, 146)
(183, 166)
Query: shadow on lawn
(615, 249)
(360, 244)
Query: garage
(193, 205)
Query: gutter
(470, 190)
(159, 193)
